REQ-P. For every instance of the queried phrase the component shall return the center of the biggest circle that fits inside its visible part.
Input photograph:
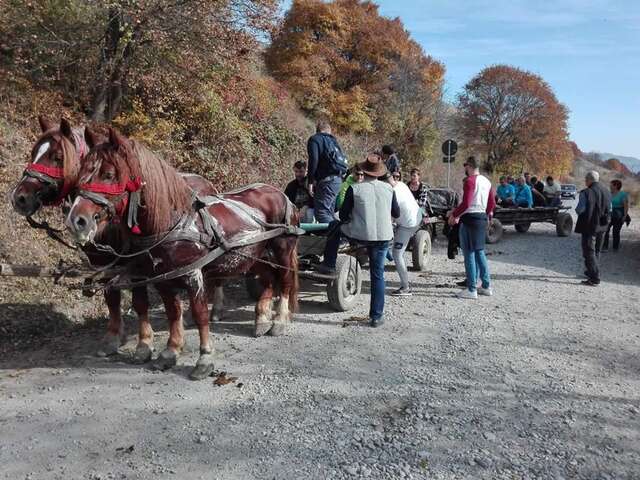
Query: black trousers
(616, 226)
(591, 246)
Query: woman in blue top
(523, 196)
(619, 212)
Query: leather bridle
(50, 176)
(127, 194)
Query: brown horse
(55, 162)
(114, 171)
(49, 180)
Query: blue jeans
(377, 254)
(324, 203)
(324, 198)
(475, 262)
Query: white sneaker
(467, 294)
(487, 292)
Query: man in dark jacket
(390, 158)
(594, 212)
(327, 166)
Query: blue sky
(587, 50)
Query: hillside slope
(632, 163)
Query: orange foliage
(617, 166)
(514, 117)
(343, 60)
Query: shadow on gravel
(26, 328)
(540, 248)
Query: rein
(179, 232)
(53, 233)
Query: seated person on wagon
(297, 191)
(523, 197)
(536, 192)
(356, 176)
(552, 191)
(506, 193)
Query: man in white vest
(366, 219)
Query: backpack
(336, 159)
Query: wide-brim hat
(373, 166)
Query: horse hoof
(262, 328)
(109, 346)
(203, 368)
(278, 329)
(166, 360)
(143, 353)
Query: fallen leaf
(222, 379)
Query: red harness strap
(53, 172)
(58, 173)
(131, 186)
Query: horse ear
(45, 124)
(91, 138)
(115, 139)
(65, 128)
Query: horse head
(52, 172)
(115, 179)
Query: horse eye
(108, 175)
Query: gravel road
(541, 381)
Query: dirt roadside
(541, 381)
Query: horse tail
(292, 217)
(295, 283)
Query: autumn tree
(184, 76)
(514, 117)
(106, 50)
(344, 60)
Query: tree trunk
(113, 67)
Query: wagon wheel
(523, 227)
(564, 224)
(494, 231)
(343, 292)
(421, 250)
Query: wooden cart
(522, 218)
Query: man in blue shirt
(506, 193)
(523, 196)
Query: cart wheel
(343, 292)
(564, 224)
(253, 286)
(523, 227)
(421, 250)
(494, 231)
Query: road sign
(449, 148)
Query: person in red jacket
(473, 213)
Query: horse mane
(164, 194)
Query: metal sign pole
(448, 164)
